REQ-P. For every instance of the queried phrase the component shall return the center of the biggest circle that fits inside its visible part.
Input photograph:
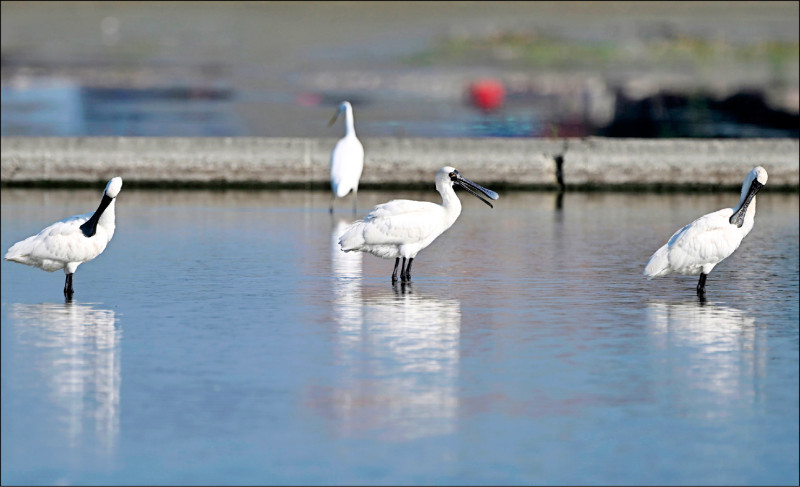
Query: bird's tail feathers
(353, 237)
(18, 252)
(19, 258)
(659, 263)
(341, 190)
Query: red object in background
(308, 99)
(487, 94)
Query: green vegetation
(531, 50)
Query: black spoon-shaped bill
(476, 189)
(738, 216)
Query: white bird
(704, 243)
(68, 243)
(401, 228)
(347, 158)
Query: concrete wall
(411, 162)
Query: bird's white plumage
(63, 245)
(347, 157)
(347, 163)
(699, 246)
(401, 228)
(113, 187)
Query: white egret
(401, 228)
(704, 243)
(72, 241)
(347, 158)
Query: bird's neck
(451, 205)
(107, 218)
(743, 195)
(349, 124)
(751, 208)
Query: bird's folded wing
(64, 238)
(402, 221)
(710, 238)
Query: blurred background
(430, 69)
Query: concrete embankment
(678, 164)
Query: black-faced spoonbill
(347, 158)
(401, 228)
(704, 243)
(72, 241)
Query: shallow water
(222, 338)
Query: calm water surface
(223, 338)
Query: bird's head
(759, 174)
(343, 107)
(113, 187)
(755, 180)
(450, 175)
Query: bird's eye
(452, 175)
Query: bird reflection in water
(398, 356)
(402, 288)
(717, 349)
(80, 359)
(346, 269)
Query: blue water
(70, 110)
(222, 339)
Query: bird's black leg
(403, 276)
(701, 285)
(68, 291)
(330, 210)
(408, 269)
(394, 274)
